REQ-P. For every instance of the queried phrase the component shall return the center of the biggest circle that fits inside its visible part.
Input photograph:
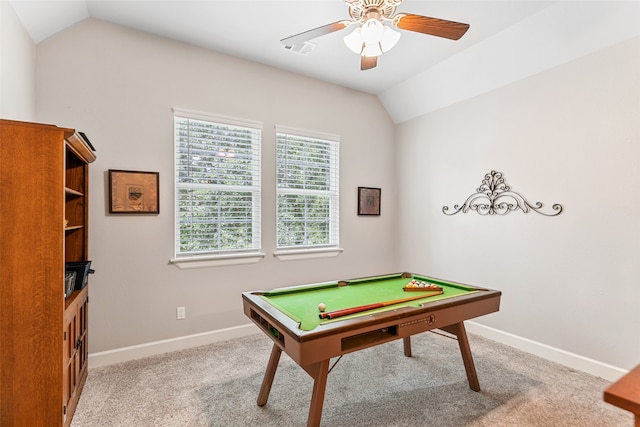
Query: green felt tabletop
(301, 303)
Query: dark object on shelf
(69, 283)
(82, 270)
(87, 140)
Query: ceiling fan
(372, 37)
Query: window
(217, 179)
(307, 190)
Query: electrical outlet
(181, 313)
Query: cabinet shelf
(73, 227)
(71, 300)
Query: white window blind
(217, 179)
(307, 189)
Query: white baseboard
(158, 347)
(571, 360)
(574, 361)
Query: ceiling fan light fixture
(354, 41)
(372, 31)
(371, 39)
(389, 38)
(371, 50)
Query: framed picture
(368, 201)
(134, 192)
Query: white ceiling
(252, 30)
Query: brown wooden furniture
(43, 352)
(313, 345)
(625, 393)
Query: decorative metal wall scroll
(494, 197)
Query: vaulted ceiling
(253, 29)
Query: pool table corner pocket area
(289, 316)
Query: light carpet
(217, 385)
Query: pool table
(292, 319)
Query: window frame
(191, 260)
(332, 249)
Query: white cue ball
(322, 306)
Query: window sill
(296, 254)
(189, 263)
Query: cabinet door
(82, 331)
(75, 351)
(70, 378)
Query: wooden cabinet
(75, 351)
(43, 224)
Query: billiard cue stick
(353, 310)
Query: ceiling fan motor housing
(361, 10)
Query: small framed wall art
(134, 192)
(368, 201)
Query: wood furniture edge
(625, 393)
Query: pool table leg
(265, 389)
(458, 330)
(407, 346)
(319, 372)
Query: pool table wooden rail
(343, 336)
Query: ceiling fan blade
(432, 26)
(368, 62)
(316, 32)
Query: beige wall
(119, 86)
(17, 67)
(569, 135)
